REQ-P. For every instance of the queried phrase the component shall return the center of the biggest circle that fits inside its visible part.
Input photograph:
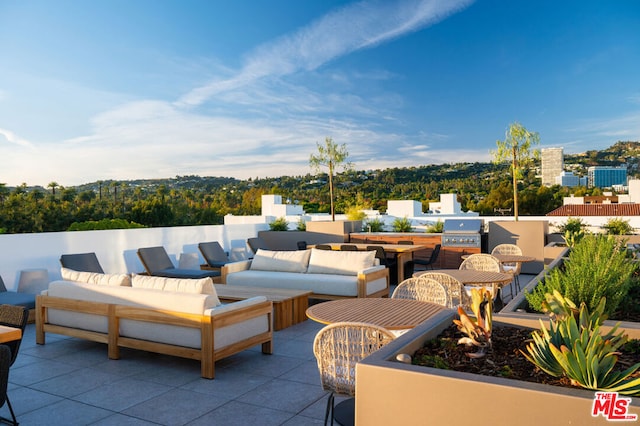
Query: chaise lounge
(156, 262)
(214, 255)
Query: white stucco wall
(115, 249)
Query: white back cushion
(95, 278)
(339, 262)
(281, 261)
(179, 285)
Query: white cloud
(253, 123)
(356, 26)
(12, 138)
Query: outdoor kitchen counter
(449, 258)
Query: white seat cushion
(281, 261)
(340, 262)
(179, 285)
(95, 278)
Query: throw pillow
(281, 261)
(179, 285)
(95, 278)
(340, 262)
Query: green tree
(53, 186)
(332, 156)
(517, 147)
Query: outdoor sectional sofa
(327, 274)
(178, 317)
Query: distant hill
(621, 153)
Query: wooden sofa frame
(363, 280)
(207, 354)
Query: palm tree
(53, 186)
(517, 147)
(331, 156)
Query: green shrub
(401, 225)
(573, 224)
(597, 267)
(93, 225)
(301, 226)
(573, 230)
(280, 224)
(435, 228)
(373, 225)
(355, 213)
(617, 226)
(575, 347)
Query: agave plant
(575, 347)
(478, 328)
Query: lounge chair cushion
(179, 285)
(95, 278)
(340, 262)
(281, 261)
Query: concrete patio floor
(70, 381)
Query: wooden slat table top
(390, 248)
(393, 314)
(8, 334)
(472, 277)
(508, 258)
(234, 292)
(513, 258)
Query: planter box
(390, 392)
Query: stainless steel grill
(462, 233)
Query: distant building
(606, 177)
(552, 165)
(607, 204)
(404, 208)
(272, 206)
(570, 180)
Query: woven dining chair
(512, 268)
(423, 290)
(483, 262)
(457, 295)
(338, 348)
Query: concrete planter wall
(390, 392)
(530, 236)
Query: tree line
(194, 200)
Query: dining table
(472, 277)
(392, 314)
(508, 258)
(402, 252)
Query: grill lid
(460, 226)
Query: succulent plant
(477, 328)
(575, 347)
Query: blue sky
(123, 89)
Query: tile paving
(69, 381)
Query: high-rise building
(552, 165)
(606, 177)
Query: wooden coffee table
(289, 305)
(8, 334)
